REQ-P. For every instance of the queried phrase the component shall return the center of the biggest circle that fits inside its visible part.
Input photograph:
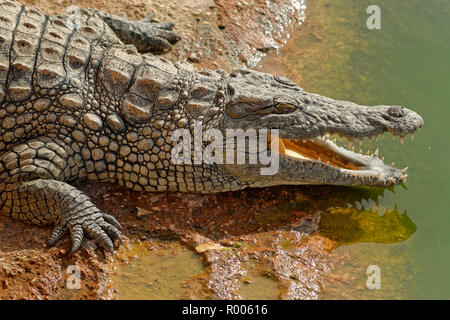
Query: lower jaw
(368, 170)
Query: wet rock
(208, 246)
(193, 58)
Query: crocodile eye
(235, 111)
(284, 108)
(396, 111)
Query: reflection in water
(350, 225)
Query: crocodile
(89, 97)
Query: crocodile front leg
(145, 34)
(34, 189)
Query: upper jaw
(346, 119)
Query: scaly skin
(84, 103)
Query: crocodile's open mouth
(316, 150)
(346, 161)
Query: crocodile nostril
(396, 111)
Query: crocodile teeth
(412, 136)
(376, 153)
(404, 170)
(402, 139)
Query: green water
(406, 63)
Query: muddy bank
(274, 243)
(224, 230)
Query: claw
(148, 18)
(57, 233)
(112, 231)
(97, 233)
(112, 220)
(101, 227)
(77, 237)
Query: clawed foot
(101, 227)
(146, 34)
(160, 36)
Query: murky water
(406, 63)
(159, 271)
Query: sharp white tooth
(412, 136)
(334, 140)
(367, 153)
(360, 151)
(402, 139)
(378, 175)
(360, 141)
(382, 159)
(376, 153)
(393, 164)
(404, 170)
(282, 148)
(327, 135)
(353, 148)
(393, 137)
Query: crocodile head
(305, 121)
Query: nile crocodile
(84, 97)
